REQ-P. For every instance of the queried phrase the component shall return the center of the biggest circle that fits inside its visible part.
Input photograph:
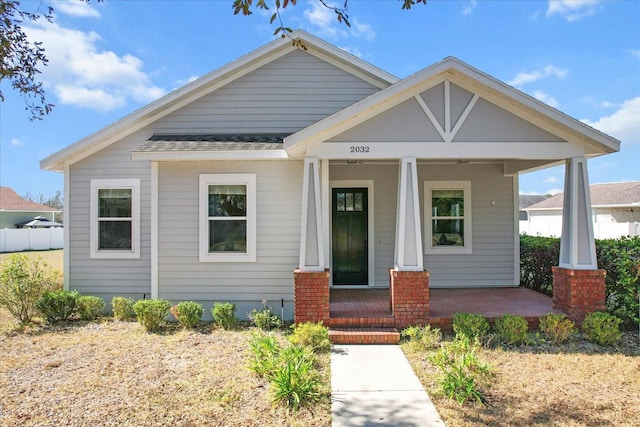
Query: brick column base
(409, 293)
(578, 292)
(311, 299)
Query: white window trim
(227, 179)
(134, 186)
(429, 249)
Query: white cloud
(607, 104)
(532, 76)
(546, 98)
(325, 23)
(551, 180)
(469, 7)
(82, 75)
(634, 52)
(75, 8)
(622, 124)
(362, 30)
(352, 50)
(573, 10)
(16, 142)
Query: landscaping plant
(471, 326)
(224, 315)
(264, 354)
(265, 319)
(556, 328)
(422, 338)
(512, 329)
(122, 308)
(312, 335)
(601, 328)
(151, 312)
(23, 280)
(57, 305)
(187, 313)
(295, 381)
(89, 307)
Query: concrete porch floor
(444, 303)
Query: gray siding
(279, 208)
(284, 96)
(108, 277)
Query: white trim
(429, 249)
(247, 179)
(66, 212)
(408, 178)
(432, 118)
(357, 183)
(311, 172)
(326, 212)
(516, 229)
(134, 186)
(447, 110)
(154, 230)
(463, 116)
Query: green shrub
(265, 351)
(462, 373)
(224, 314)
(557, 328)
(151, 312)
(537, 256)
(188, 313)
(512, 329)
(312, 335)
(294, 381)
(265, 319)
(89, 307)
(422, 338)
(23, 280)
(471, 326)
(122, 308)
(57, 305)
(601, 328)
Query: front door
(349, 237)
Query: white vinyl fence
(35, 239)
(600, 230)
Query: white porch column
(577, 244)
(408, 250)
(311, 240)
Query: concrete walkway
(374, 385)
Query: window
(227, 218)
(447, 217)
(115, 218)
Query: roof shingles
(611, 194)
(11, 201)
(213, 142)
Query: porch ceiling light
(463, 161)
(352, 161)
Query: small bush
(462, 373)
(472, 326)
(151, 312)
(58, 305)
(512, 329)
(23, 280)
(294, 381)
(556, 328)
(312, 335)
(188, 313)
(224, 314)
(601, 328)
(265, 319)
(422, 338)
(265, 351)
(122, 308)
(89, 307)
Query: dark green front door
(350, 230)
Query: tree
(21, 60)
(54, 201)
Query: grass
(54, 258)
(575, 384)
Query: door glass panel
(349, 202)
(358, 202)
(340, 203)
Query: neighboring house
(527, 200)
(15, 210)
(310, 159)
(615, 209)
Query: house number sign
(359, 149)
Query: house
(15, 210)
(615, 209)
(299, 168)
(527, 200)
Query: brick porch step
(364, 336)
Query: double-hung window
(227, 218)
(447, 217)
(115, 218)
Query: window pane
(448, 232)
(447, 202)
(340, 202)
(114, 235)
(358, 202)
(227, 200)
(114, 203)
(349, 202)
(227, 236)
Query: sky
(108, 59)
